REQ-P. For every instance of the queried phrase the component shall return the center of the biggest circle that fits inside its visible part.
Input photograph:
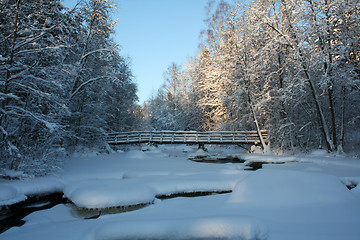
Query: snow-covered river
(305, 198)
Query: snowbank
(39, 186)
(294, 188)
(10, 195)
(13, 192)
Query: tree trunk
(340, 142)
(325, 46)
(293, 42)
(264, 145)
(324, 127)
(333, 118)
(283, 112)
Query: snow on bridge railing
(186, 137)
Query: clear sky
(155, 33)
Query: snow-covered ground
(304, 198)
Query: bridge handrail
(167, 136)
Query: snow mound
(16, 191)
(58, 213)
(10, 195)
(109, 193)
(133, 191)
(242, 228)
(289, 188)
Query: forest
(293, 66)
(63, 82)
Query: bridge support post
(202, 146)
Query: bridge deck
(190, 137)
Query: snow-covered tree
(31, 90)
(62, 80)
(102, 88)
(291, 67)
(167, 110)
(309, 31)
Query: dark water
(217, 159)
(252, 166)
(12, 216)
(192, 194)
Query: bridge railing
(190, 137)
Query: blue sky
(155, 33)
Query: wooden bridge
(187, 137)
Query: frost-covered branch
(33, 39)
(23, 112)
(85, 84)
(40, 49)
(95, 51)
